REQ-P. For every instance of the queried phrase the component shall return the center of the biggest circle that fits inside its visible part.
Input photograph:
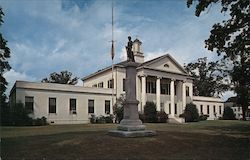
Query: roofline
(55, 87)
(141, 65)
(163, 56)
(146, 67)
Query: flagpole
(112, 56)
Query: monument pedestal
(131, 125)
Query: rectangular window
(123, 84)
(201, 109)
(187, 91)
(165, 88)
(100, 85)
(214, 109)
(219, 109)
(175, 108)
(29, 103)
(169, 108)
(162, 107)
(111, 83)
(72, 106)
(91, 106)
(52, 105)
(94, 85)
(151, 87)
(175, 89)
(207, 109)
(107, 107)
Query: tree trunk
(244, 109)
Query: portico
(169, 94)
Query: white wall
(63, 115)
(211, 102)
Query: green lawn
(201, 140)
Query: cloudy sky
(48, 36)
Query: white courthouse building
(161, 80)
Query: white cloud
(12, 76)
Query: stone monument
(131, 125)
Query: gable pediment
(165, 63)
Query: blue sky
(48, 36)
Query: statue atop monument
(130, 53)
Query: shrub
(228, 114)
(118, 108)
(150, 112)
(191, 113)
(109, 119)
(92, 118)
(100, 119)
(162, 117)
(203, 117)
(142, 117)
(20, 115)
(40, 121)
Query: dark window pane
(52, 105)
(29, 103)
(72, 105)
(107, 107)
(91, 106)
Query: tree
(4, 67)
(231, 40)
(190, 113)
(119, 108)
(228, 114)
(64, 77)
(150, 112)
(207, 80)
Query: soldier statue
(130, 53)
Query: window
(29, 103)
(162, 107)
(91, 106)
(151, 87)
(94, 85)
(219, 109)
(52, 105)
(123, 84)
(165, 88)
(214, 109)
(175, 89)
(166, 65)
(187, 91)
(111, 83)
(201, 109)
(72, 106)
(169, 108)
(107, 107)
(207, 109)
(175, 108)
(100, 85)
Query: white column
(143, 91)
(184, 101)
(158, 94)
(191, 91)
(172, 96)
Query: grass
(201, 140)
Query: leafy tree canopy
(4, 64)
(64, 77)
(208, 81)
(231, 40)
